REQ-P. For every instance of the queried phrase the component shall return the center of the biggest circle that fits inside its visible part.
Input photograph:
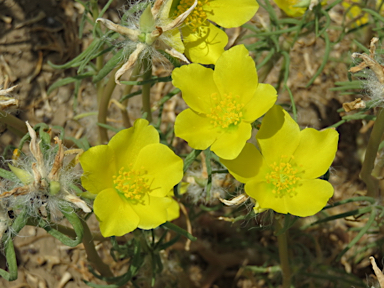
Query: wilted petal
(125, 31)
(131, 61)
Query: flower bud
(147, 22)
(21, 174)
(54, 187)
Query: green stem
(127, 90)
(146, 94)
(18, 125)
(92, 255)
(103, 106)
(264, 71)
(370, 155)
(66, 230)
(282, 241)
(99, 59)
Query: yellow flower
(287, 7)
(354, 12)
(132, 177)
(204, 42)
(224, 102)
(282, 175)
(297, 8)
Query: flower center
(284, 177)
(197, 16)
(132, 184)
(226, 110)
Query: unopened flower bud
(21, 174)
(54, 187)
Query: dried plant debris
(7, 101)
(369, 61)
(378, 273)
(354, 105)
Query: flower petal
(115, 214)
(245, 166)
(311, 197)
(206, 45)
(128, 142)
(262, 193)
(173, 211)
(228, 15)
(164, 10)
(198, 97)
(316, 151)
(196, 129)
(164, 168)
(279, 134)
(99, 166)
(153, 213)
(235, 73)
(287, 7)
(173, 39)
(264, 99)
(232, 141)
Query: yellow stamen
(132, 184)
(283, 177)
(198, 15)
(226, 110)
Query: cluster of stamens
(131, 183)
(283, 177)
(197, 17)
(225, 111)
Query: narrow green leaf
(72, 217)
(208, 187)
(108, 67)
(325, 59)
(343, 215)
(78, 59)
(362, 232)
(169, 243)
(109, 127)
(7, 175)
(353, 199)
(68, 80)
(190, 159)
(178, 230)
(18, 224)
(104, 8)
(88, 57)
(153, 80)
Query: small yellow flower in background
(353, 10)
(282, 175)
(287, 7)
(132, 177)
(204, 42)
(223, 102)
(297, 8)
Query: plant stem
(370, 155)
(18, 125)
(100, 59)
(146, 95)
(103, 106)
(282, 241)
(92, 254)
(128, 88)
